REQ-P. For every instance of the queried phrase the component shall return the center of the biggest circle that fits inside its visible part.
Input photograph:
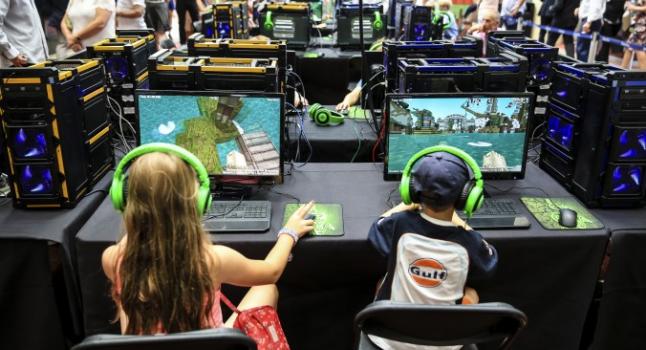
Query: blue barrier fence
(605, 39)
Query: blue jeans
(583, 45)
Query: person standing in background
(511, 11)
(158, 18)
(590, 20)
(638, 35)
(22, 40)
(51, 13)
(130, 14)
(611, 26)
(192, 8)
(564, 18)
(546, 18)
(87, 22)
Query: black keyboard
(238, 217)
(498, 214)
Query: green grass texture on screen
(329, 218)
(546, 212)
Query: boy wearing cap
(431, 253)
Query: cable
(290, 196)
(213, 216)
(518, 188)
(359, 140)
(388, 199)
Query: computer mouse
(310, 216)
(567, 217)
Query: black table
(550, 275)
(29, 316)
(620, 320)
(352, 140)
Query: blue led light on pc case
(632, 145)
(627, 179)
(560, 131)
(224, 30)
(117, 68)
(36, 179)
(30, 144)
(419, 31)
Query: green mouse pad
(328, 221)
(546, 212)
(358, 113)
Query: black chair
(439, 325)
(207, 339)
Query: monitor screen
(231, 134)
(489, 127)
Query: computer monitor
(232, 134)
(491, 127)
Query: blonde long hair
(165, 271)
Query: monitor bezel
(517, 175)
(219, 93)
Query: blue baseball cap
(439, 178)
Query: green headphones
(324, 117)
(119, 188)
(377, 24)
(268, 24)
(439, 17)
(472, 194)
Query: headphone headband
(472, 197)
(117, 188)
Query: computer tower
(169, 71)
(439, 75)
(287, 21)
(611, 162)
(506, 72)
(55, 127)
(146, 34)
(395, 17)
(348, 25)
(242, 74)
(467, 46)
(418, 24)
(125, 58)
(540, 56)
(126, 67)
(225, 20)
(198, 45)
(394, 50)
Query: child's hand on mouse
(297, 221)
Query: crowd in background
(32, 29)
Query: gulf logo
(428, 273)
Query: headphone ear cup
(116, 194)
(462, 200)
(474, 201)
(203, 200)
(322, 116)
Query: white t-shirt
(130, 23)
(82, 12)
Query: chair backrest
(207, 339)
(441, 325)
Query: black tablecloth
(341, 143)
(621, 316)
(58, 226)
(550, 275)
